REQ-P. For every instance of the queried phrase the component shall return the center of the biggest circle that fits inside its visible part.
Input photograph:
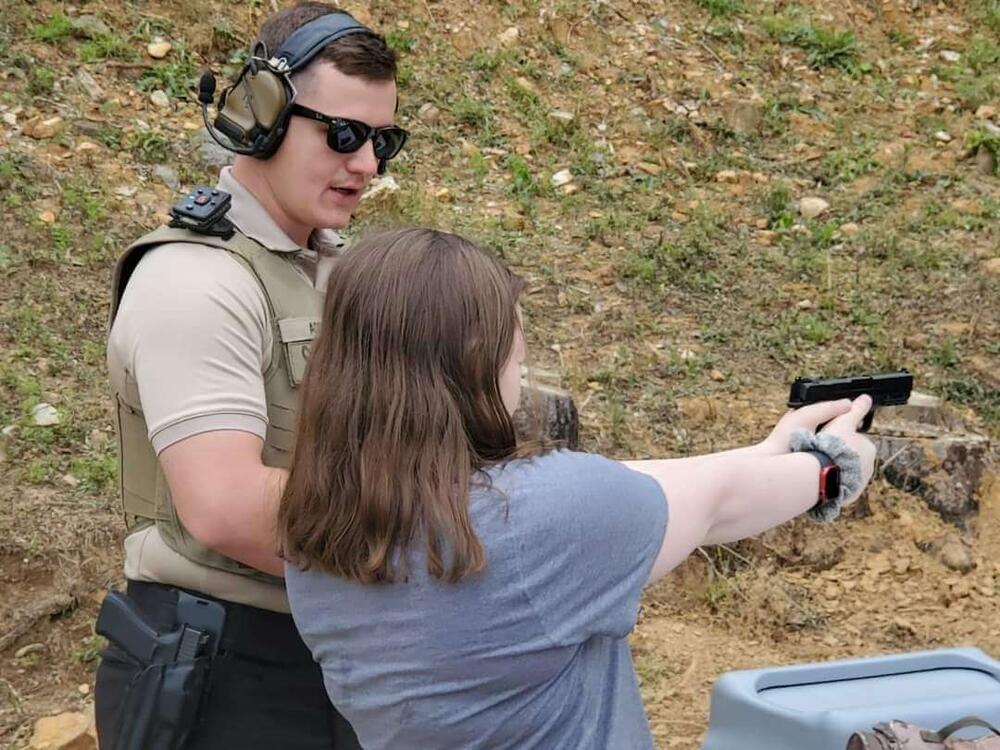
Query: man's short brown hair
(364, 55)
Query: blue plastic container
(819, 706)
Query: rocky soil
(707, 197)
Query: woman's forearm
(760, 493)
(732, 496)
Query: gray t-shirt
(532, 653)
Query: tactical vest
(294, 308)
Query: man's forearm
(225, 497)
(253, 539)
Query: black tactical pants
(264, 691)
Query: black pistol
(160, 710)
(886, 389)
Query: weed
(823, 47)
(96, 473)
(982, 55)
(150, 147)
(901, 38)
(814, 329)
(523, 185)
(944, 355)
(486, 61)
(83, 201)
(727, 32)
(525, 100)
(988, 11)
(971, 392)
(722, 8)
(846, 165)
(974, 79)
(55, 29)
(692, 261)
(980, 139)
(474, 113)
(110, 136)
(400, 42)
(90, 649)
(107, 47)
(778, 208)
(42, 81)
(176, 77)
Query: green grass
(107, 47)
(980, 139)
(176, 76)
(41, 81)
(976, 77)
(824, 47)
(988, 13)
(691, 260)
(150, 147)
(56, 29)
(722, 8)
(400, 41)
(779, 208)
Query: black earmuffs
(253, 113)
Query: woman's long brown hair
(400, 408)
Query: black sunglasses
(347, 136)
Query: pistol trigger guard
(866, 423)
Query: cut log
(549, 411)
(926, 449)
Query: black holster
(160, 709)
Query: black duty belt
(249, 631)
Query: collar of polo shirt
(256, 223)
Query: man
(209, 340)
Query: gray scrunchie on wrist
(848, 461)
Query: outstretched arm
(732, 495)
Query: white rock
(90, 85)
(160, 99)
(949, 55)
(562, 177)
(45, 415)
(943, 135)
(429, 113)
(509, 37)
(384, 184)
(562, 115)
(63, 732)
(158, 49)
(10, 118)
(167, 176)
(811, 207)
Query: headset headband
(309, 40)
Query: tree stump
(928, 450)
(547, 410)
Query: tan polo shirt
(189, 347)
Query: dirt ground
(644, 166)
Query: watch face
(829, 483)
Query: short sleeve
(589, 530)
(192, 338)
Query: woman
(461, 590)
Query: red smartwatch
(829, 478)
